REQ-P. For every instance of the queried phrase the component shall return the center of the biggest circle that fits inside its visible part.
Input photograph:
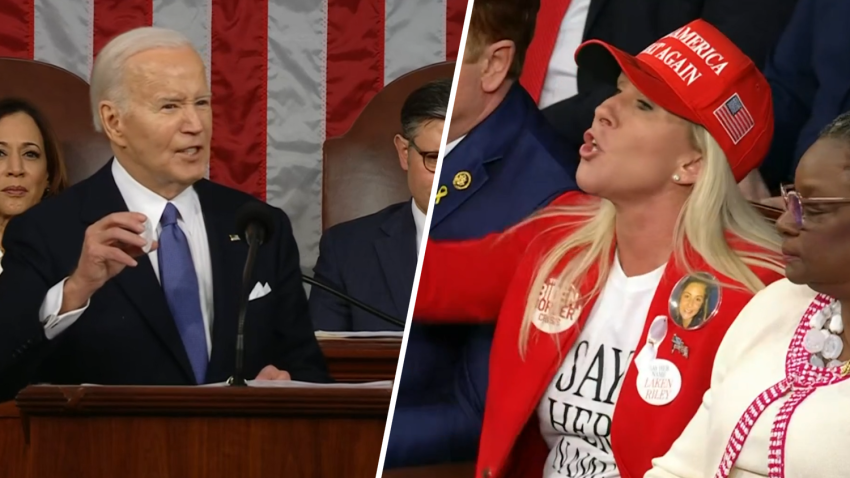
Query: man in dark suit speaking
(132, 276)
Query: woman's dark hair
(57, 176)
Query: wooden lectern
(200, 432)
(361, 360)
(205, 431)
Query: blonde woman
(589, 376)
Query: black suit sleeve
(809, 77)
(296, 349)
(328, 312)
(24, 283)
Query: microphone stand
(237, 380)
(254, 237)
(353, 301)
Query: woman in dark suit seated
(31, 164)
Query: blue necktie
(180, 284)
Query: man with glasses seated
(373, 258)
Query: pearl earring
(676, 178)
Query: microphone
(255, 223)
(351, 300)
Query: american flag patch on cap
(735, 118)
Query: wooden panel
(38, 400)
(203, 447)
(209, 432)
(13, 451)
(361, 360)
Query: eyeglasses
(429, 158)
(795, 204)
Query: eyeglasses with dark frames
(795, 203)
(429, 158)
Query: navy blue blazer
(809, 75)
(372, 259)
(503, 170)
(127, 336)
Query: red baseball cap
(697, 73)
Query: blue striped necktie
(180, 284)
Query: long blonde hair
(715, 195)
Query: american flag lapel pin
(679, 346)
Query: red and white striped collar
(801, 380)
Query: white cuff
(55, 324)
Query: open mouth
(590, 148)
(192, 151)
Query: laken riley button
(659, 382)
(695, 300)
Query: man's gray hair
(839, 128)
(427, 103)
(107, 78)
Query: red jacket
(490, 277)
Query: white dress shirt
(418, 219)
(560, 82)
(142, 200)
(451, 146)
(1, 264)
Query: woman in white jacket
(780, 395)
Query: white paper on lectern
(380, 385)
(389, 334)
(383, 384)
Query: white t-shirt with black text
(576, 410)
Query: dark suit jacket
(809, 75)
(372, 259)
(630, 25)
(517, 164)
(127, 335)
